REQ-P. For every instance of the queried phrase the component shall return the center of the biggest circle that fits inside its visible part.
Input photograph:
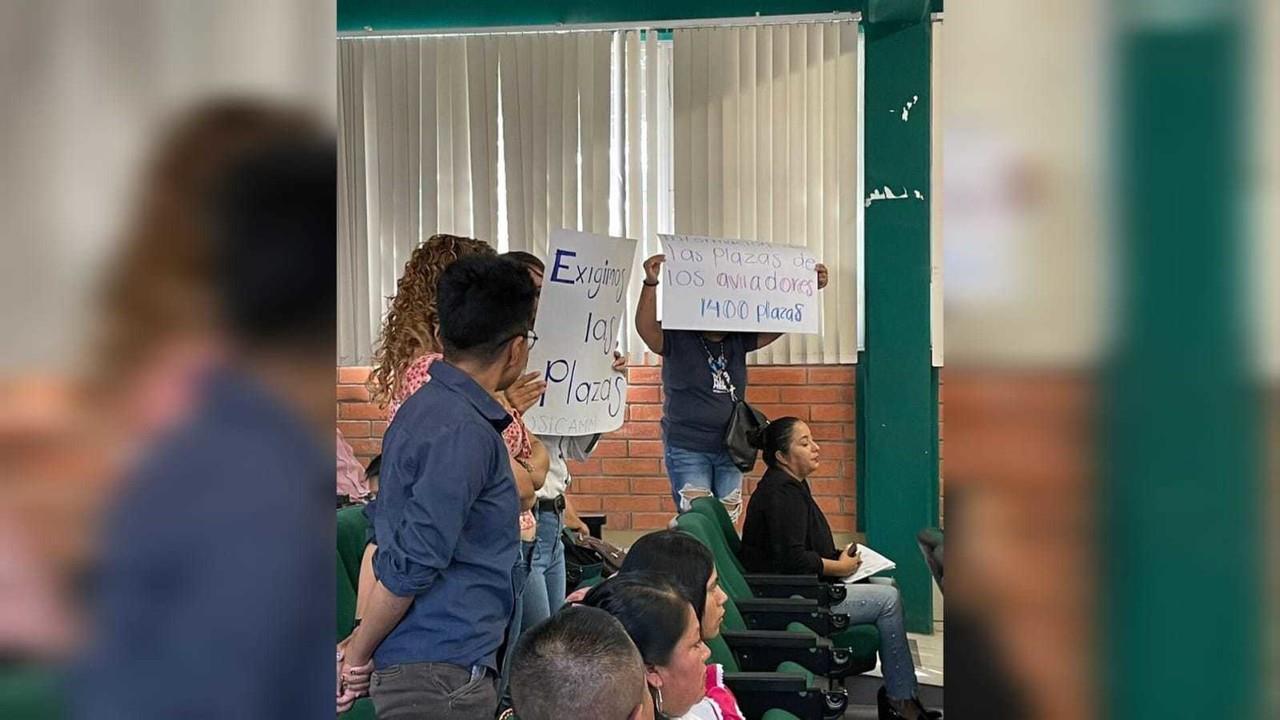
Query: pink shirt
(719, 702)
(351, 480)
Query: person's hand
(353, 677)
(822, 275)
(851, 560)
(526, 390)
(619, 362)
(653, 267)
(576, 525)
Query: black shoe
(887, 712)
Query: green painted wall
(897, 396)
(1181, 491)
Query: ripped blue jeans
(696, 474)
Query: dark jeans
(439, 691)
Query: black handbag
(743, 421)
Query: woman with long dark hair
(666, 631)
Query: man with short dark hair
(447, 508)
(579, 665)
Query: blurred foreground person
(207, 605)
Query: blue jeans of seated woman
(696, 474)
(882, 605)
(544, 594)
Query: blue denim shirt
(210, 602)
(446, 524)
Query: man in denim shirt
(447, 508)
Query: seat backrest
(721, 654)
(714, 509)
(731, 579)
(352, 526)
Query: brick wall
(625, 477)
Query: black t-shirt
(697, 375)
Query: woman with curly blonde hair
(409, 331)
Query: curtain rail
(596, 27)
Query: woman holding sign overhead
(702, 374)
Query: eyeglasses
(529, 335)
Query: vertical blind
(740, 132)
(766, 150)
(417, 155)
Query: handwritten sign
(735, 285)
(581, 315)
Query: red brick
(601, 486)
(829, 486)
(666, 504)
(822, 394)
(364, 460)
(585, 503)
(630, 503)
(360, 411)
(644, 394)
(644, 413)
(833, 374)
(765, 394)
(777, 411)
(353, 375)
(840, 523)
(827, 431)
(829, 469)
(645, 448)
(829, 504)
(618, 521)
(763, 375)
(644, 430)
(651, 486)
(610, 449)
(378, 428)
(832, 413)
(630, 466)
(650, 520)
(644, 375)
(366, 446)
(354, 428)
(353, 392)
(583, 467)
(836, 450)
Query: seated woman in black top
(786, 532)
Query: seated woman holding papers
(786, 532)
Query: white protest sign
(735, 285)
(581, 313)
